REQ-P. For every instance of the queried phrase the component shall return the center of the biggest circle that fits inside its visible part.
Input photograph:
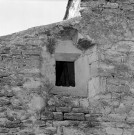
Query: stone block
(2, 109)
(127, 132)
(75, 102)
(51, 130)
(96, 85)
(130, 15)
(84, 103)
(37, 103)
(72, 131)
(83, 124)
(104, 69)
(80, 110)
(61, 123)
(93, 121)
(4, 130)
(36, 51)
(26, 132)
(107, 110)
(4, 101)
(40, 123)
(30, 71)
(49, 123)
(93, 57)
(58, 115)
(3, 120)
(13, 124)
(105, 96)
(94, 69)
(117, 117)
(122, 109)
(2, 94)
(32, 84)
(51, 102)
(47, 116)
(15, 51)
(51, 108)
(63, 109)
(2, 115)
(111, 5)
(74, 116)
(88, 117)
(55, 101)
(115, 103)
(114, 131)
(8, 94)
(130, 120)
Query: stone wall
(27, 108)
(21, 95)
(110, 24)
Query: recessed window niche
(70, 70)
(65, 74)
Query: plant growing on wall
(68, 32)
(84, 44)
(51, 42)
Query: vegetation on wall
(51, 42)
(68, 32)
(84, 44)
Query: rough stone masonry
(26, 105)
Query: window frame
(65, 73)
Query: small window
(65, 73)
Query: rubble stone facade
(104, 36)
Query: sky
(18, 15)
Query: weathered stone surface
(4, 130)
(130, 120)
(2, 109)
(115, 131)
(51, 102)
(40, 123)
(117, 117)
(75, 102)
(84, 103)
(50, 130)
(27, 123)
(96, 85)
(27, 74)
(32, 84)
(58, 115)
(37, 103)
(111, 5)
(61, 123)
(63, 109)
(80, 110)
(74, 116)
(4, 101)
(26, 133)
(88, 117)
(47, 116)
(49, 123)
(123, 109)
(72, 131)
(3, 121)
(51, 108)
(14, 124)
(93, 56)
(94, 69)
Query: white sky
(17, 15)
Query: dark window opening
(65, 73)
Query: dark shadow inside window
(65, 73)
